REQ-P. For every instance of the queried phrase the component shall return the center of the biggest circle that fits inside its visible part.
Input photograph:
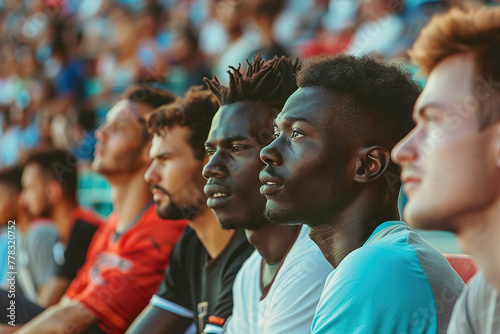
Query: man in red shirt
(128, 255)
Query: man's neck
(62, 215)
(273, 240)
(347, 230)
(129, 197)
(211, 235)
(479, 238)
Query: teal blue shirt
(395, 283)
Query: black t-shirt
(76, 250)
(203, 285)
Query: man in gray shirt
(451, 160)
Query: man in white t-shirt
(278, 287)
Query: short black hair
(195, 111)
(371, 89)
(147, 94)
(271, 81)
(57, 165)
(11, 177)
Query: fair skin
(42, 195)
(176, 181)
(451, 167)
(175, 175)
(119, 143)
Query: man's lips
(217, 195)
(410, 183)
(271, 184)
(158, 192)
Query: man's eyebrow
(421, 108)
(228, 139)
(292, 119)
(162, 155)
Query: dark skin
(320, 174)
(238, 133)
(154, 320)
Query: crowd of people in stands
(255, 152)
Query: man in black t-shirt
(197, 289)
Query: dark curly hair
(271, 81)
(195, 111)
(376, 96)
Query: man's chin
(233, 224)
(279, 215)
(172, 211)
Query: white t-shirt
(291, 301)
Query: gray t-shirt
(36, 262)
(477, 311)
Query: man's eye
(236, 148)
(276, 134)
(210, 151)
(296, 134)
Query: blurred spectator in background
(119, 66)
(49, 190)
(10, 215)
(380, 28)
(241, 42)
(187, 66)
(263, 14)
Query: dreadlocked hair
(270, 81)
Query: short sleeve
(174, 290)
(39, 246)
(223, 306)
(477, 310)
(123, 276)
(76, 250)
(377, 290)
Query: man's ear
(54, 191)
(372, 162)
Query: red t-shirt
(122, 273)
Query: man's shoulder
(478, 308)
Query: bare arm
(7, 329)
(52, 291)
(154, 320)
(68, 316)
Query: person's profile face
(34, 196)
(120, 140)
(306, 174)
(238, 133)
(174, 175)
(448, 163)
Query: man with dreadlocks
(278, 287)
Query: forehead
(450, 82)
(31, 173)
(124, 111)
(174, 141)
(241, 119)
(314, 104)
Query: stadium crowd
(240, 166)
